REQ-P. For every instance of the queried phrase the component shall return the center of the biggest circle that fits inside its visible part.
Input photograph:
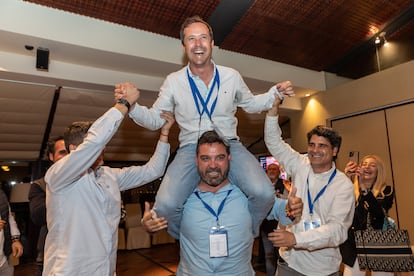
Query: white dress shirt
(317, 250)
(176, 96)
(83, 208)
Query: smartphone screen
(354, 156)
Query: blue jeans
(181, 178)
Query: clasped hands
(126, 91)
(285, 89)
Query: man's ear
(51, 157)
(335, 151)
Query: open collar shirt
(83, 208)
(317, 250)
(14, 231)
(176, 96)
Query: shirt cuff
(276, 92)
(133, 112)
(279, 212)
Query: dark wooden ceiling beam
(391, 27)
(226, 16)
(52, 112)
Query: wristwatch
(124, 102)
(15, 238)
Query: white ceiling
(89, 56)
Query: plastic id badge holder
(218, 242)
(311, 224)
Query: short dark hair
(192, 20)
(329, 133)
(75, 133)
(50, 147)
(210, 137)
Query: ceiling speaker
(42, 58)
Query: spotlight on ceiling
(381, 38)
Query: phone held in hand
(354, 156)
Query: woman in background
(372, 196)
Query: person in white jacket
(311, 245)
(83, 200)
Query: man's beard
(216, 180)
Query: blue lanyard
(198, 98)
(312, 203)
(208, 207)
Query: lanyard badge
(314, 223)
(218, 242)
(218, 234)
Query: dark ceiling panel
(331, 35)
(161, 17)
(226, 16)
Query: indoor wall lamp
(381, 37)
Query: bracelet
(15, 239)
(162, 134)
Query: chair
(121, 238)
(136, 235)
(162, 237)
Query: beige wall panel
(387, 87)
(366, 134)
(401, 133)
